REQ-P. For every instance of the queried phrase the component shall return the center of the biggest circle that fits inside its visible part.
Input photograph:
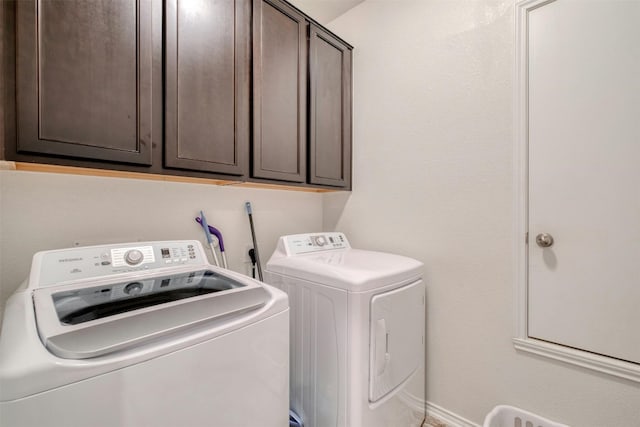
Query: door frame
(521, 341)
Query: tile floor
(433, 422)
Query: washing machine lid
(354, 270)
(91, 319)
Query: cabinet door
(330, 110)
(207, 85)
(84, 79)
(279, 91)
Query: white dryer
(143, 334)
(357, 332)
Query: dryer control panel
(98, 261)
(315, 242)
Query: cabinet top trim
(316, 23)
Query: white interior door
(584, 175)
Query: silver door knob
(544, 240)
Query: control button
(168, 261)
(133, 257)
(133, 288)
(184, 259)
(105, 262)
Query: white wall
(432, 179)
(40, 211)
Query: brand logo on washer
(69, 259)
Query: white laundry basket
(510, 416)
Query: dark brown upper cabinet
(83, 79)
(279, 92)
(330, 110)
(207, 86)
(238, 90)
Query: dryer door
(396, 339)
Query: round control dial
(133, 288)
(133, 257)
(320, 240)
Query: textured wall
(433, 180)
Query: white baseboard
(448, 417)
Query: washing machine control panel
(315, 242)
(96, 261)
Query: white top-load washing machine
(143, 334)
(357, 332)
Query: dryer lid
(354, 270)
